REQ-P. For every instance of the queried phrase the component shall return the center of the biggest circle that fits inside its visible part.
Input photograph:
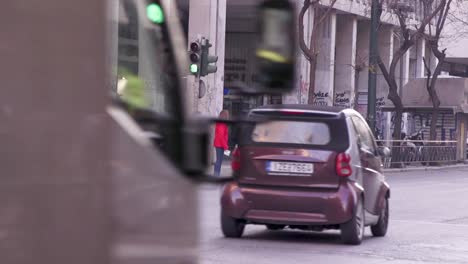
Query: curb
(457, 166)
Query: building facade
(342, 68)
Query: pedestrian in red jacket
(220, 142)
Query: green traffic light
(193, 68)
(155, 13)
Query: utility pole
(373, 65)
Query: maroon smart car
(310, 168)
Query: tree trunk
(394, 97)
(313, 67)
(435, 116)
(397, 149)
(433, 134)
(397, 146)
(356, 89)
(398, 120)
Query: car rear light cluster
(235, 163)
(343, 165)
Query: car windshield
(292, 132)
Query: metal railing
(419, 152)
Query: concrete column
(405, 74)
(462, 126)
(362, 65)
(207, 18)
(345, 61)
(404, 79)
(402, 75)
(325, 70)
(301, 91)
(386, 50)
(412, 62)
(420, 53)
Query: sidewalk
(226, 170)
(427, 168)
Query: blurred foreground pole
(53, 133)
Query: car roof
(331, 110)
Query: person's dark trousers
(219, 161)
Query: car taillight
(235, 163)
(343, 165)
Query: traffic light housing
(208, 62)
(195, 56)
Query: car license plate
(289, 168)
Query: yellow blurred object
(132, 91)
(271, 56)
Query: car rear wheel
(380, 229)
(231, 227)
(352, 232)
(275, 227)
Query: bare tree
(311, 51)
(409, 37)
(433, 41)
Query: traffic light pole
(373, 65)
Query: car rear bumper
(269, 205)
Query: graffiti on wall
(446, 125)
(380, 103)
(342, 99)
(321, 98)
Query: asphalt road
(428, 224)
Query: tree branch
(427, 20)
(383, 69)
(444, 18)
(435, 76)
(306, 51)
(428, 71)
(440, 17)
(327, 12)
(310, 50)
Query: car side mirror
(197, 163)
(384, 152)
(195, 139)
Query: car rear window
(311, 131)
(292, 132)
